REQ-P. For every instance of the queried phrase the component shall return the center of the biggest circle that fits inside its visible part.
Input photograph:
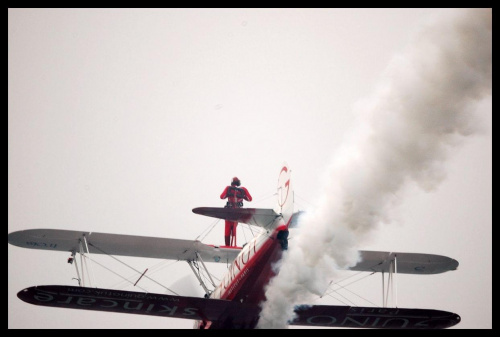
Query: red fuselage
(248, 276)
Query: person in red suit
(235, 196)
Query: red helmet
(235, 181)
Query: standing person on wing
(235, 196)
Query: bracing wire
(163, 267)
(337, 283)
(207, 230)
(355, 295)
(202, 273)
(342, 280)
(127, 280)
(154, 269)
(251, 231)
(215, 277)
(298, 196)
(338, 299)
(146, 276)
(244, 235)
(206, 279)
(348, 300)
(344, 287)
(264, 197)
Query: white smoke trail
(421, 109)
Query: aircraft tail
(285, 201)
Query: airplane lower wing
(231, 314)
(374, 317)
(404, 263)
(124, 245)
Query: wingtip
(197, 210)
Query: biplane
(235, 301)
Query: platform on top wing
(262, 217)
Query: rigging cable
(211, 226)
(115, 273)
(264, 197)
(154, 269)
(244, 235)
(149, 278)
(348, 300)
(344, 287)
(339, 300)
(310, 203)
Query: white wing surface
(406, 263)
(124, 245)
(262, 217)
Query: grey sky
(122, 121)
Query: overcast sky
(123, 120)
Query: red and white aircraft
(234, 303)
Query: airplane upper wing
(407, 263)
(124, 245)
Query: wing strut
(391, 284)
(383, 291)
(203, 263)
(395, 276)
(71, 260)
(83, 260)
(91, 267)
(197, 272)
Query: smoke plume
(422, 109)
